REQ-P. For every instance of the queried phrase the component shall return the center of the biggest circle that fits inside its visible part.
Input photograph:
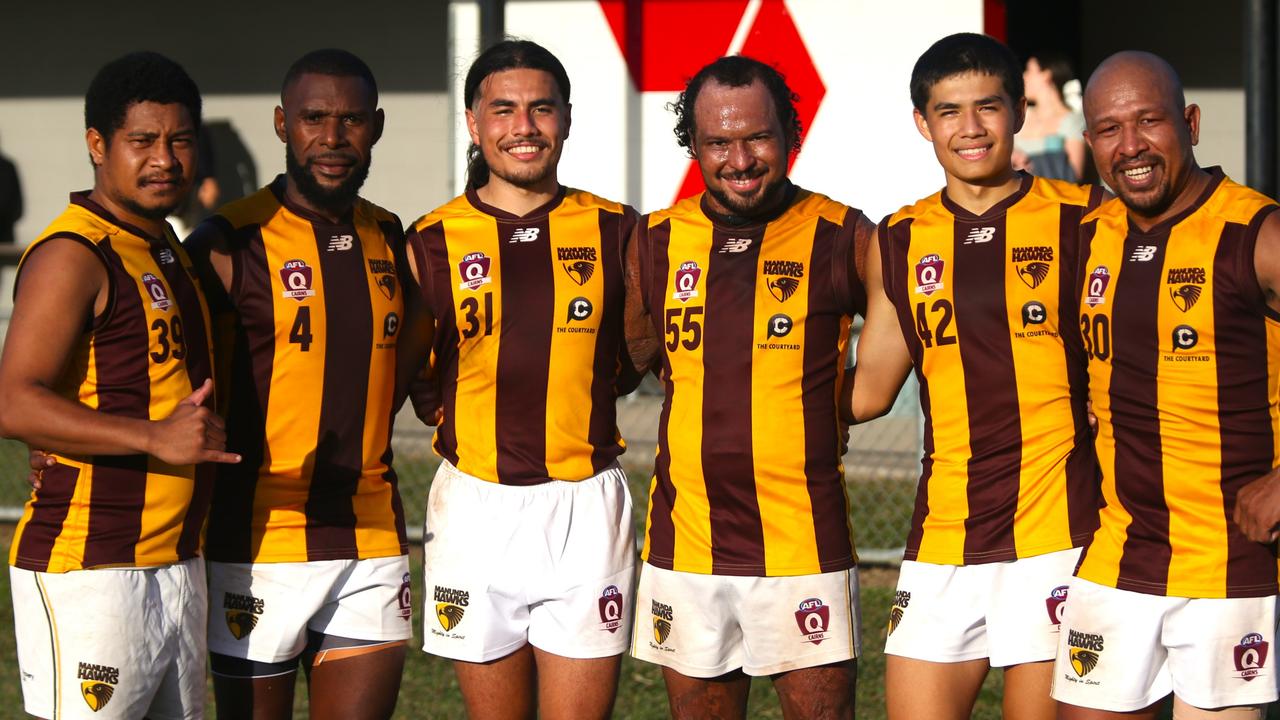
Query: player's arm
(872, 384)
(62, 285)
(415, 376)
(642, 336)
(1258, 503)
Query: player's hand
(192, 433)
(39, 461)
(1258, 508)
(1093, 419)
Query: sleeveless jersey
(1184, 372)
(528, 344)
(755, 323)
(311, 360)
(986, 306)
(144, 354)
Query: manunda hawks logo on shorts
(451, 605)
(663, 616)
(813, 617)
(1251, 656)
(242, 613)
(97, 684)
(611, 604)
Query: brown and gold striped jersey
(310, 358)
(528, 344)
(1184, 373)
(144, 354)
(755, 321)
(986, 305)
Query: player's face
(971, 122)
(329, 125)
(520, 123)
(741, 147)
(147, 165)
(1141, 140)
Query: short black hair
(135, 78)
(508, 54)
(736, 71)
(333, 62)
(965, 53)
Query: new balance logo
(525, 235)
(341, 242)
(1143, 253)
(166, 257)
(735, 245)
(980, 235)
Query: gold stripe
(57, 646)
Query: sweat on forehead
(1135, 67)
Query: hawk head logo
(783, 287)
(1083, 661)
(580, 271)
(449, 615)
(96, 694)
(1185, 296)
(895, 617)
(661, 629)
(241, 623)
(387, 284)
(1034, 273)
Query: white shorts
(1122, 650)
(1007, 612)
(707, 625)
(112, 642)
(552, 565)
(262, 611)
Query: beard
(153, 212)
(759, 204)
(334, 199)
(526, 178)
(1150, 203)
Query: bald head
(1131, 68)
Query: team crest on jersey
(451, 606)
(385, 274)
(663, 617)
(242, 613)
(97, 684)
(687, 276)
(159, 296)
(1084, 650)
(297, 278)
(929, 274)
(611, 605)
(405, 598)
(900, 602)
(1055, 604)
(474, 270)
(813, 618)
(784, 277)
(1251, 656)
(1186, 286)
(1099, 279)
(579, 263)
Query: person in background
(1051, 142)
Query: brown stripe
(433, 254)
(199, 368)
(653, 246)
(1135, 350)
(611, 357)
(1244, 412)
(48, 512)
(339, 456)
(991, 390)
(252, 355)
(821, 361)
(737, 536)
(895, 242)
(1082, 473)
(524, 352)
(119, 490)
(393, 231)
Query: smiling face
(329, 125)
(144, 169)
(1141, 139)
(741, 147)
(520, 122)
(971, 122)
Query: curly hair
(135, 78)
(736, 71)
